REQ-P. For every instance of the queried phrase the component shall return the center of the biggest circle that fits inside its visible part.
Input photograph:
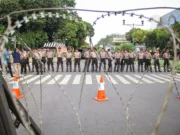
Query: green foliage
(176, 28)
(125, 46)
(105, 41)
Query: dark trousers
(68, 64)
(10, 69)
(28, 65)
(44, 63)
(87, 63)
(59, 61)
(166, 63)
(104, 64)
(140, 65)
(148, 65)
(117, 65)
(33, 64)
(23, 66)
(122, 65)
(94, 64)
(126, 63)
(131, 63)
(0, 64)
(109, 65)
(38, 66)
(77, 62)
(50, 62)
(156, 63)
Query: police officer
(23, 61)
(37, 60)
(28, 56)
(94, 56)
(118, 58)
(131, 61)
(102, 59)
(33, 60)
(148, 57)
(77, 56)
(156, 61)
(87, 56)
(110, 59)
(140, 57)
(43, 54)
(68, 60)
(122, 60)
(126, 60)
(59, 58)
(50, 55)
(166, 57)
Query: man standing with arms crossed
(166, 57)
(50, 56)
(59, 58)
(156, 61)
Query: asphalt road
(102, 118)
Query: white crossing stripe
(132, 79)
(43, 79)
(66, 79)
(122, 79)
(110, 79)
(174, 76)
(162, 78)
(22, 78)
(88, 79)
(98, 78)
(144, 79)
(56, 78)
(178, 74)
(170, 77)
(32, 79)
(154, 79)
(77, 79)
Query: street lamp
(132, 26)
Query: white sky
(113, 24)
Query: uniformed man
(28, 56)
(77, 56)
(148, 57)
(166, 57)
(23, 61)
(140, 57)
(59, 58)
(102, 59)
(110, 59)
(94, 56)
(126, 60)
(68, 60)
(43, 54)
(131, 61)
(118, 58)
(37, 60)
(156, 61)
(33, 60)
(87, 56)
(122, 60)
(50, 55)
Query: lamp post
(132, 26)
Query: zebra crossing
(89, 79)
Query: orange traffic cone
(178, 97)
(101, 95)
(16, 89)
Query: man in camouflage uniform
(68, 60)
(87, 56)
(148, 57)
(118, 59)
(50, 56)
(59, 58)
(94, 56)
(102, 59)
(131, 61)
(77, 56)
(156, 61)
(110, 59)
(140, 57)
(166, 57)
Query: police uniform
(126, 60)
(166, 57)
(140, 61)
(118, 58)
(68, 61)
(148, 57)
(102, 60)
(59, 60)
(94, 56)
(110, 59)
(33, 62)
(131, 61)
(28, 56)
(37, 60)
(43, 54)
(122, 61)
(23, 62)
(77, 56)
(87, 61)
(50, 56)
(156, 62)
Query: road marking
(154, 79)
(122, 79)
(77, 79)
(88, 79)
(144, 79)
(22, 78)
(56, 78)
(98, 78)
(32, 79)
(160, 77)
(174, 76)
(43, 79)
(66, 79)
(170, 77)
(110, 79)
(132, 79)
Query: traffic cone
(178, 97)
(16, 89)
(101, 95)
